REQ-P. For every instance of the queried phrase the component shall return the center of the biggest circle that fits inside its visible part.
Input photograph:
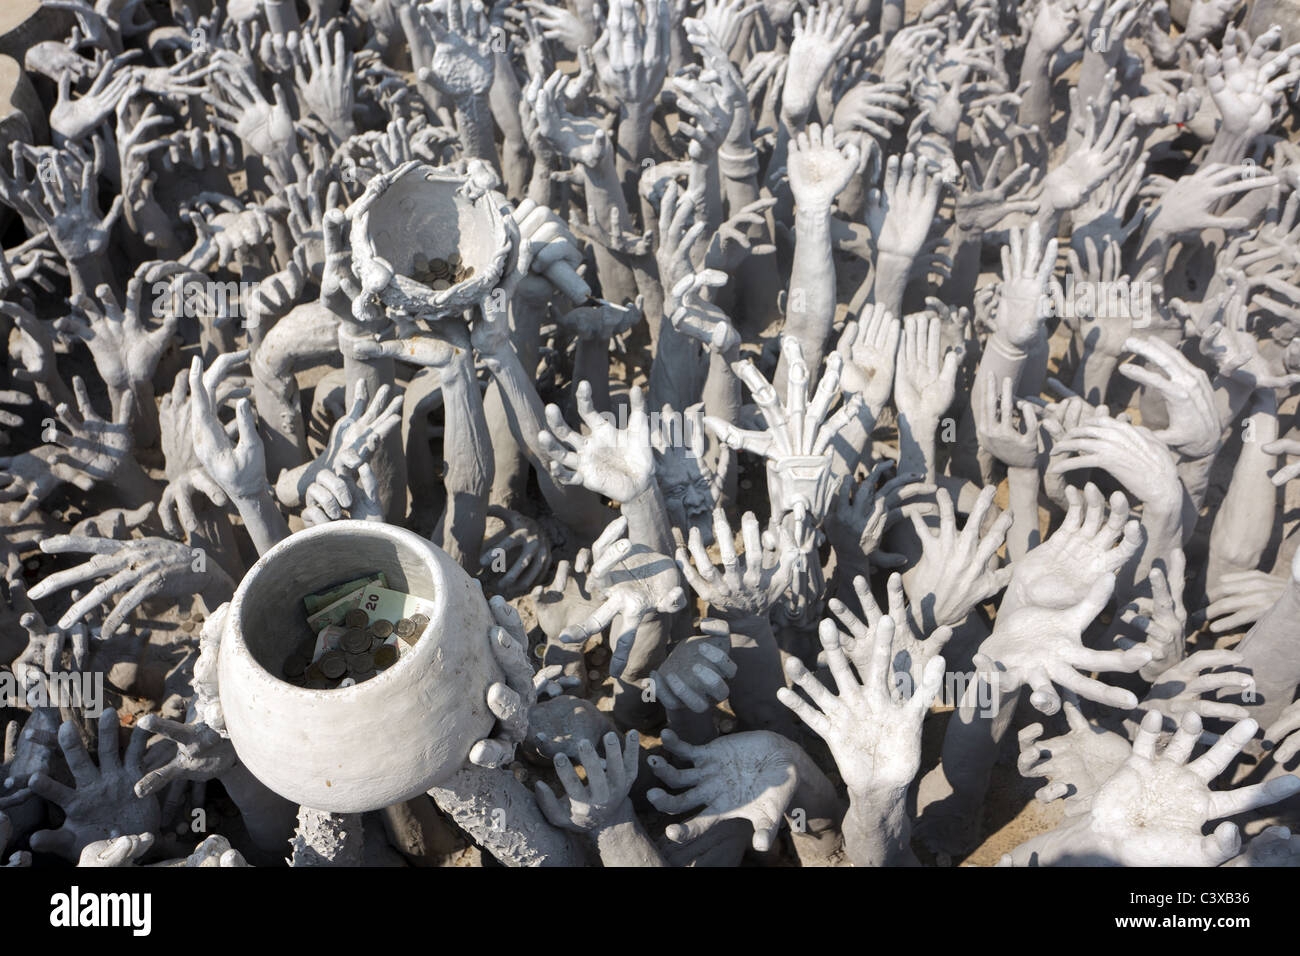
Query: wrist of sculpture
(282, 16)
(877, 828)
(1022, 481)
(814, 794)
(458, 371)
(268, 817)
(647, 518)
(622, 842)
(812, 221)
(1004, 348)
(1049, 218)
(892, 271)
(634, 143)
(273, 368)
(1194, 473)
(266, 525)
(1163, 528)
(738, 160)
(1022, 494)
(1229, 146)
(965, 230)
(474, 117)
(916, 446)
(882, 797)
(1038, 58)
(350, 334)
(132, 484)
(794, 121)
(90, 272)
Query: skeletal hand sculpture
(798, 434)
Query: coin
(453, 259)
(381, 628)
(355, 640)
(421, 621)
(419, 262)
(333, 665)
(347, 682)
(386, 656)
(294, 666)
(438, 285)
(405, 629)
(356, 618)
(360, 663)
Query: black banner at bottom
(146, 905)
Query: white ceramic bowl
(379, 742)
(417, 208)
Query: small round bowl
(375, 743)
(428, 210)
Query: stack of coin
(344, 667)
(356, 648)
(405, 629)
(361, 665)
(355, 641)
(315, 678)
(411, 629)
(440, 274)
(333, 664)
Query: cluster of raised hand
(825, 377)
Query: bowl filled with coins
(428, 241)
(354, 667)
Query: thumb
(765, 831)
(1221, 845)
(1083, 613)
(247, 422)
